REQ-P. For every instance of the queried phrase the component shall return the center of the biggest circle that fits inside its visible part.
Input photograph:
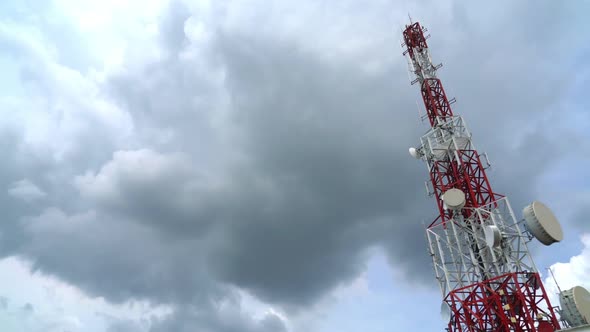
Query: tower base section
(510, 302)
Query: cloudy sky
(225, 166)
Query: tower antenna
(486, 274)
(554, 280)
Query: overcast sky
(242, 166)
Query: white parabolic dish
(575, 302)
(541, 222)
(493, 236)
(454, 199)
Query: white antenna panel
(440, 150)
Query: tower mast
(486, 274)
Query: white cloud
(576, 272)
(36, 302)
(257, 309)
(61, 104)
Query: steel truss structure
(487, 286)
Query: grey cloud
(125, 326)
(28, 308)
(26, 190)
(319, 171)
(326, 173)
(225, 317)
(141, 262)
(3, 302)
(165, 190)
(172, 26)
(327, 150)
(185, 320)
(16, 167)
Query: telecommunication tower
(478, 247)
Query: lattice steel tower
(479, 248)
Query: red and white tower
(479, 248)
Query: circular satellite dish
(445, 312)
(575, 306)
(493, 236)
(541, 222)
(454, 199)
(414, 153)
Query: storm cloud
(263, 148)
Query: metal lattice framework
(486, 287)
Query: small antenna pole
(554, 280)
